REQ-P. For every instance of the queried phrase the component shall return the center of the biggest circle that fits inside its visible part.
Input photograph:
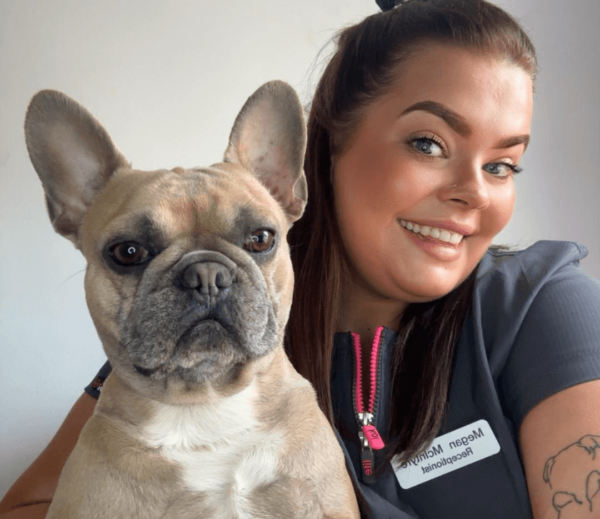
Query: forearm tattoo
(573, 475)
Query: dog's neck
(191, 427)
(232, 408)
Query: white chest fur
(220, 449)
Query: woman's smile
(440, 243)
(437, 233)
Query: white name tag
(448, 453)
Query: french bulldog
(189, 284)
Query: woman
(415, 134)
(468, 383)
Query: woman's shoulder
(521, 273)
(539, 294)
(540, 259)
(537, 313)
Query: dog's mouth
(146, 372)
(203, 351)
(204, 366)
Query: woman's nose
(468, 186)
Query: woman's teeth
(439, 234)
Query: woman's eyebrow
(513, 141)
(459, 125)
(452, 119)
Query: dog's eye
(129, 253)
(260, 241)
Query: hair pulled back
(362, 69)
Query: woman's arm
(31, 494)
(560, 446)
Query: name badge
(449, 452)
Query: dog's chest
(220, 450)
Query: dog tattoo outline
(579, 461)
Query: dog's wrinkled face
(191, 270)
(189, 280)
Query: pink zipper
(368, 434)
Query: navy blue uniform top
(533, 330)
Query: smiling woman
(416, 132)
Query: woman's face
(426, 181)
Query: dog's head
(188, 279)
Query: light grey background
(166, 78)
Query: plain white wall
(166, 78)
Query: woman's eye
(128, 254)
(501, 169)
(427, 147)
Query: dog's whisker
(70, 277)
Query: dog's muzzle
(199, 318)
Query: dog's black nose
(208, 277)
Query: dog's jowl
(189, 284)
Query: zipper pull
(369, 440)
(367, 461)
(372, 435)
(369, 435)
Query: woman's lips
(441, 250)
(446, 232)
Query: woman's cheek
(498, 215)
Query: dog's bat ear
(72, 154)
(269, 139)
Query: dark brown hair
(362, 69)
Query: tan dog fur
(190, 424)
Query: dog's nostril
(224, 279)
(208, 277)
(190, 278)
